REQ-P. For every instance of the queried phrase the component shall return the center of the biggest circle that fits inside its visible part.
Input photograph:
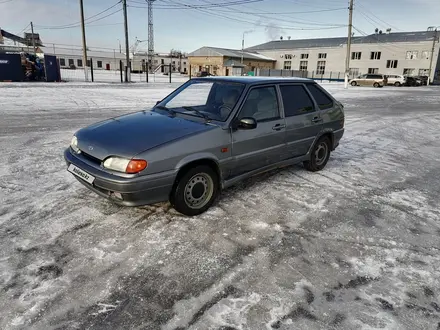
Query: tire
(353, 83)
(195, 191)
(319, 156)
(375, 85)
(397, 84)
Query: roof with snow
(233, 53)
(338, 41)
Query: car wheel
(353, 83)
(195, 190)
(319, 156)
(397, 84)
(375, 85)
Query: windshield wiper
(201, 114)
(161, 107)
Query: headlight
(125, 165)
(74, 144)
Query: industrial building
(227, 62)
(160, 62)
(408, 53)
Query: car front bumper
(134, 191)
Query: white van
(396, 80)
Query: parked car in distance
(423, 80)
(375, 80)
(413, 81)
(204, 74)
(207, 135)
(396, 80)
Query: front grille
(91, 158)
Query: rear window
(296, 100)
(324, 101)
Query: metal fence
(117, 76)
(319, 76)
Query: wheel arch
(328, 133)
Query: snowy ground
(355, 246)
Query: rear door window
(324, 101)
(296, 100)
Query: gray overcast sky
(190, 28)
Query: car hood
(128, 135)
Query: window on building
(79, 62)
(323, 100)
(425, 54)
(88, 63)
(162, 61)
(423, 72)
(354, 72)
(322, 55)
(303, 65)
(99, 64)
(288, 56)
(356, 55)
(373, 70)
(409, 71)
(320, 68)
(375, 55)
(392, 64)
(304, 56)
(174, 62)
(184, 63)
(287, 65)
(62, 62)
(412, 55)
(71, 62)
(296, 100)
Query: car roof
(249, 80)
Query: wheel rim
(199, 190)
(321, 153)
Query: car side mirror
(157, 102)
(247, 123)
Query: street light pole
(127, 48)
(83, 29)
(432, 55)
(242, 49)
(347, 58)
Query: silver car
(205, 136)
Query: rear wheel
(397, 84)
(375, 85)
(195, 191)
(353, 83)
(319, 156)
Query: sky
(187, 25)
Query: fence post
(190, 72)
(146, 72)
(91, 69)
(269, 73)
(339, 74)
(313, 74)
(170, 73)
(330, 80)
(120, 70)
(281, 72)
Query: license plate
(80, 173)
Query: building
(406, 53)
(227, 62)
(73, 57)
(161, 62)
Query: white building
(160, 63)
(387, 53)
(69, 57)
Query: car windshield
(213, 100)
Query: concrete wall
(335, 60)
(113, 62)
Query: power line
(386, 24)
(79, 22)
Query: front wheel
(375, 85)
(319, 156)
(397, 84)
(195, 191)
(353, 83)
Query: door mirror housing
(247, 123)
(157, 102)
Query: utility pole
(432, 55)
(33, 39)
(127, 49)
(84, 44)
(242, 49)
(150, 32)
(347, 58)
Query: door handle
(278, 127)
(317, 119)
